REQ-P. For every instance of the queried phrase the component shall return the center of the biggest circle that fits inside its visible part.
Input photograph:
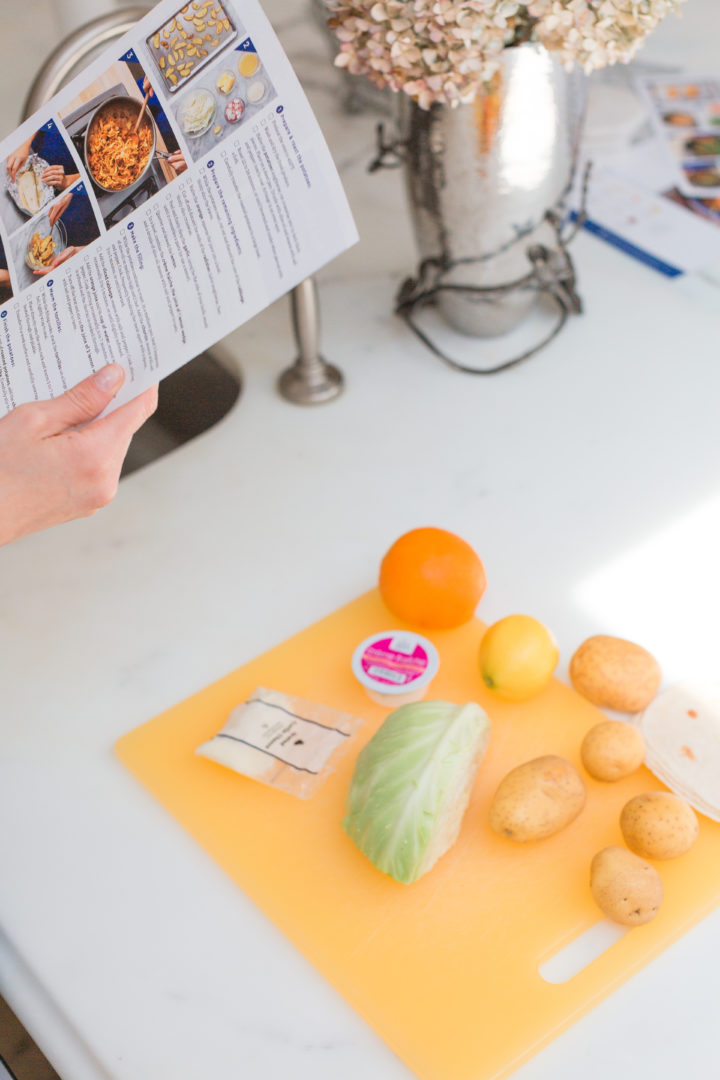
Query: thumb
(86, 400)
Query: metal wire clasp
(551, 272)
(389, 154)
(555, 274)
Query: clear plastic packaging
(282, 740)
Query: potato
(537, 799)
(612, 750)
(615, 674)
(658, 825)
(625, 887)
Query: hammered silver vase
(481, 178)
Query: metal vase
(481, 178)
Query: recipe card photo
(171, 191)
(126, 143)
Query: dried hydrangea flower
(594, 33)
(443, 51)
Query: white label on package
(290, 739)
(282, 740)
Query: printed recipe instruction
(169, 193)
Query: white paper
(633, 201)
(156, 272)
(647, 224)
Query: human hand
(147, 87)
(178, 162)
(51, 471)
(54, 176)
(65, 254)
(17, 159)
(58, 209)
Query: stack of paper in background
(655, 182)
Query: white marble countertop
(588, 480)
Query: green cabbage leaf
(412, 783)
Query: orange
(432, 578)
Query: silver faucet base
(311, 379)
(302, 386)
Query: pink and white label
(395, 660)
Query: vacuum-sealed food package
(282, 740)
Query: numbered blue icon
(211, 164)
(50, 283)
(3, 314)
(131, 225)
(279, 109)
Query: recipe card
(685, 112)
(170, 192)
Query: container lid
(395, 661)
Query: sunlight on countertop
(664, 574)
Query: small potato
(658, 825)
(612, 750)
(615, 674)
(625, 888)
(537, 799)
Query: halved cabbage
(411, 785)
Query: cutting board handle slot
(573, 958)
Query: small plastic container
(256, 91)
(225, 82)
(249, 64)
(396, 667)
(234, 110)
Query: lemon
(517, 657)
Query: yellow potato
(658, 825)
(537, 799)
(612, 750)
(615, 674)
(625, 887)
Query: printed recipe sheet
(685, 112)
(169, 193)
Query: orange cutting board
(446, 969)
